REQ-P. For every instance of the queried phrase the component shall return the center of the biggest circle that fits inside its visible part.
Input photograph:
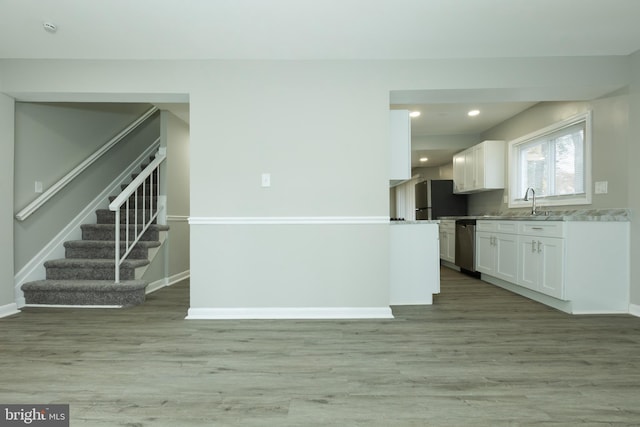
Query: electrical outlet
(602, 187)
(38, 187)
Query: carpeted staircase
(86, 275)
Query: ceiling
(312, 29)
(442, 123)
(329, 29)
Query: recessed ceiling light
(414, 114)
(473, 113)
(423, 159)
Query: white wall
(634, 178)
(319, 127)
(6, 206)
(177, 133)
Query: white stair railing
(147, 183)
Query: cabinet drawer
(486, 225)
(447, 225)
(541, 228)
(507, 227)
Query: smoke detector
(50, 27)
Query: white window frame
(516, 200)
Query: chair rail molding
(292, 220)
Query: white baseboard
(634, 310)
(290, 313)
(9, 310)
(167, 281)
(34, 269)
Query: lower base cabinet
(558, 263)
(447, 237)
(541, 261)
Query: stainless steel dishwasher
(466, 244)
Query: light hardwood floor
(480, 356)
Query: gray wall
(6, 195)
(53, 138)
(320, 128)
(177, 132)
(634, 177)
(609, 148)
(173, 258)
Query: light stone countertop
(421, 222)
(558, 215)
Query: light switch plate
(266, 180)
(38, 187)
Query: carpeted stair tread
(92, 249)
(154, 227)
(94, 263)
(83, 285)
(108, 243)
(106, 216)
(85, 292)
(107, 231)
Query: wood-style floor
(480, 356)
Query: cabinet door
(443, 244)
(451, 245)
(485, 253)
(458, 173)
(479, 165)
(528, 262)
(506, 247)
(551, 257)
(470, 169)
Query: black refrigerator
(435, 199)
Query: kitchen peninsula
(414, 265)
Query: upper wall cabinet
(400, 146)
(479, 168)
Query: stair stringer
(34, 269)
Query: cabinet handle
(537, 228)
(539, 244)
(533, 246)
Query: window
(555, 162)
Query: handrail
(137, 188)
(65, 180)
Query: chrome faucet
(533, 199)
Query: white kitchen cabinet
(470, 165)
(479, 168)
(574, 266)
(541, 265)
(541, 257)
(458, 172)
(448, 240)
(399, 146)
(496, 249)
